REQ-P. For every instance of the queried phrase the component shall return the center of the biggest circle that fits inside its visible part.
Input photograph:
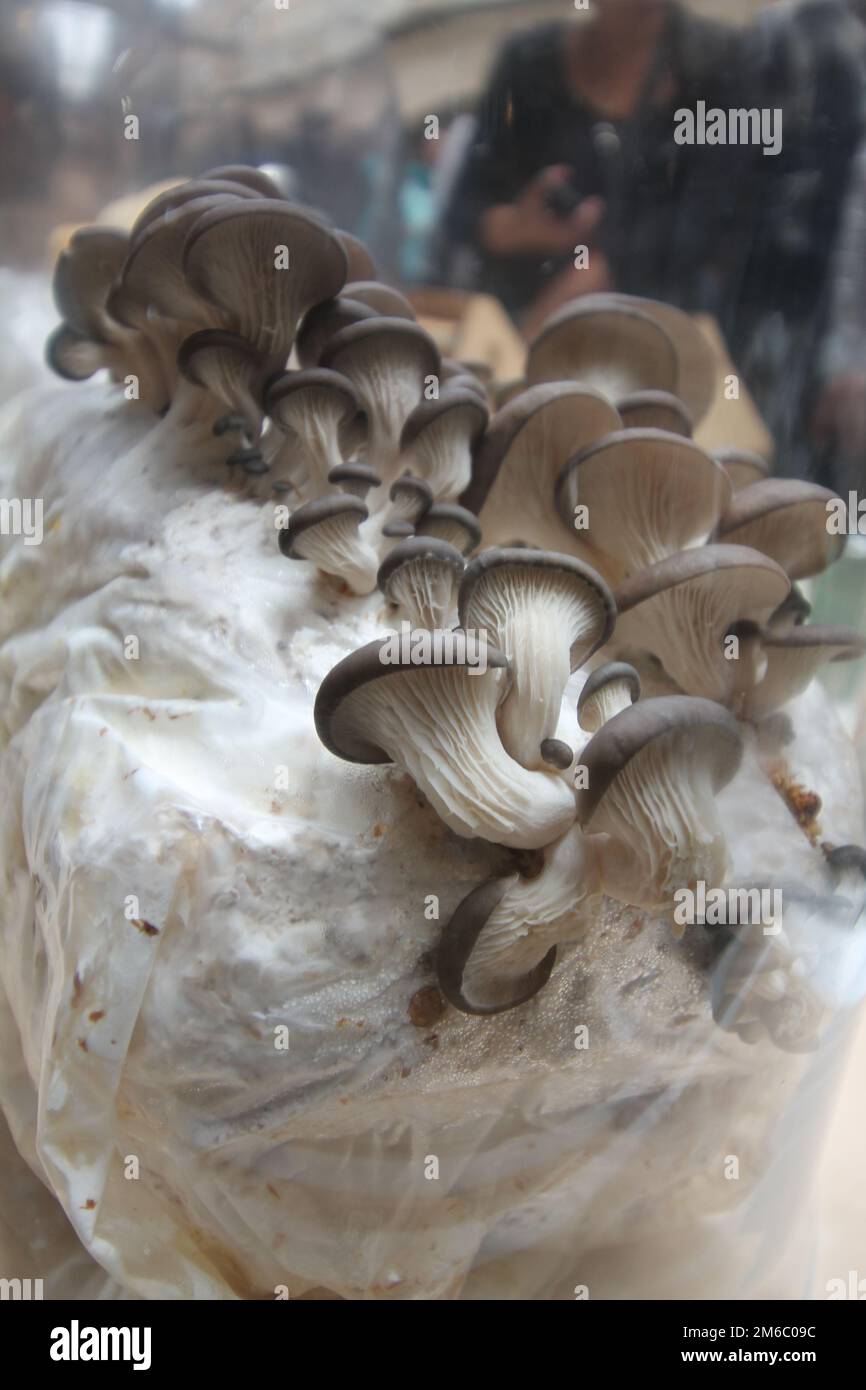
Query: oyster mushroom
(683, 608)
(387, 360)
(523, 452)
(449, 522)
(354, 477)
(421, 576)
(326, 532)
(83, 276)
(655, 410)
(439, 438)
(228, 367)
(548, 613)
(316, 409)
(410, 498)
(233, 258)
(610, 688)
(647, 494)
(323, 322)
(73, 356)
(794, 655)
(499, 948)
(437, 721)
(653, 775)
(787, 520)
(697, 368)
(382, 299)
(256, 180)
(742, 467)
(176, 197)
(614, 347)
(361, 265)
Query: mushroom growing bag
(339, 961)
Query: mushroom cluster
(580, 529)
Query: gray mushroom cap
(458, 942)
(248, 176)
(706, 730)
(612, 345)
(230, 258)
(172, 198)
(283, 388)
(354, 477)
(648, 494)
(73, 356)
(657, 410)
(742, 466)
(785, 518)
(456, 404)
(382, 299)
(453, 523)
(489, 564)
(343, 735)
(83, 276)
(413, 549)
(315, 514)
(323, 322)
(361, 265)
(227, 366)
(412, 494)
(611, 673)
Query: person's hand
(840, 414)
(528, 225)
(569, 284)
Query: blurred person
(809, 59)
(575, 146)
(839, 415)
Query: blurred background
(472, 144)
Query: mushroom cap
(354, 474)
(648, 493)
(794, 655)
(230, 256)
(83, 276)
(323, 509)
(605, 675)
(457, 405)
(225, 364)
(488, 572)
(598, 334)
(706, 731)
(361, 265)
(71, 355)
(786, 519)
(249, 176)
(398, 530)
(697, 370)
(458, 942)
(323, 322)
(742, 466)
(845, 643)
(655, 410)
(310, 381)
(543, 425)
(757, 585)
(153, 274)
(353, 347)
(557, 753)
(182, 193)
(463, 381)
(412, 489)
(382, 299)
(335, 726)
(446, 519)
(418, 548)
